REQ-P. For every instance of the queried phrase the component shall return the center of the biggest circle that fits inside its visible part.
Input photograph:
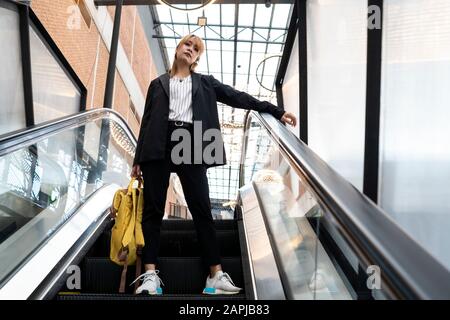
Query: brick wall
(82, 44)
(136, 48)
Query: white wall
(337, 54)
(415, 118)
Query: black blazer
(206, 91)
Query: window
(12, 116)
(54, 93)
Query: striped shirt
(180, 99)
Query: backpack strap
(123, 256)
(123, 277)
(138, 266)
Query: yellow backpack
(127, 238)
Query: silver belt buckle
(178, 123)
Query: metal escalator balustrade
(315, 235)
(328, 241)
(49, 175)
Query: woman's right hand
(136, 171)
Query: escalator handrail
(22, 137)
(407, 269)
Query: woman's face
(188, 52)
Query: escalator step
(7, 227)
(93, 296)
(179, 243)
(174, 224)
(180, 275)
(185, 243)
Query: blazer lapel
(165, 79)
(195, 83)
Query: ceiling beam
(218, 25)
(251, 46)
(236, 21)
(218, 39)
(265, 53)
(161, 42)
(181, 2)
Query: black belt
(180, 124)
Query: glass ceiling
(260, 33)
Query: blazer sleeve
(238, 99)
(144, 123)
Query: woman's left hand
(289, 118)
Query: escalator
(180, 265)
(58, 182)
(300, 231)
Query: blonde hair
(201, 47)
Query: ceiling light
(201, 21)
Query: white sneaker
(221, 283)
(151, 283)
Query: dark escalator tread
(184, 243)
(7, 227)
(179, 243)
(174, 224)
(117, 296)
(102, 247)
(180, 275)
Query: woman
(184, 100)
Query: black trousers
(156, 174)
